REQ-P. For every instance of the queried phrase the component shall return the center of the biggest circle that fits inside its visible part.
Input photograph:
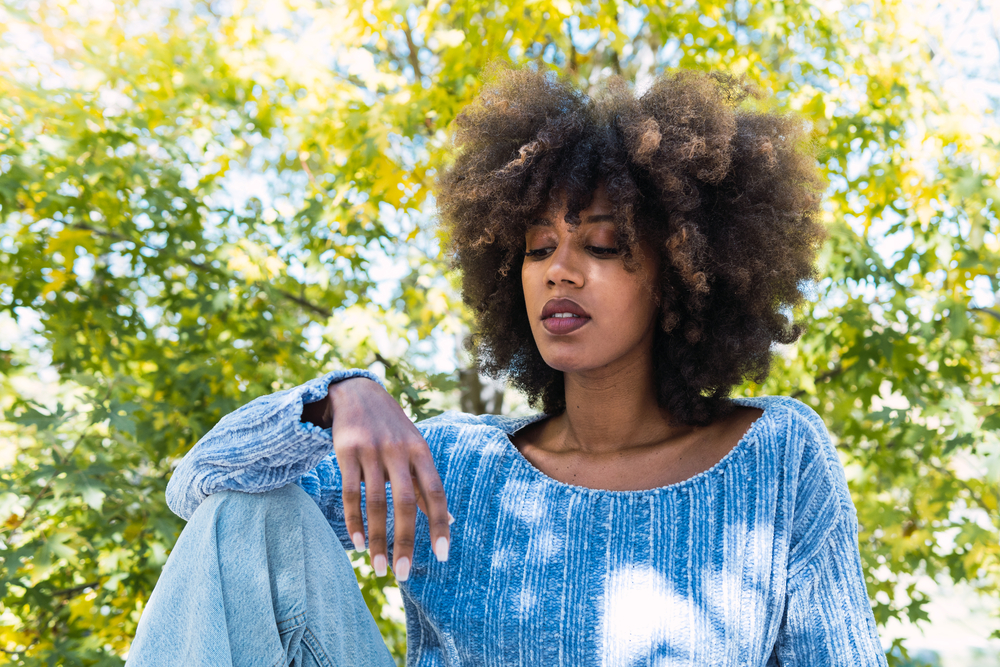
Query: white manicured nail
(451, 519)
(403, 569)
(379, 563)
(359, 541)
(441, 549)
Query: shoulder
(811, 469)
(785, 411)
(453, 429)
(791, 422)
(456, 419)
(800, 437)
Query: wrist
(320, 413)
(349, 385)
(341, 390)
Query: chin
(569, 362)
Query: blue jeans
(261, 580)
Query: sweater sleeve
(263, 445)
(828, 618)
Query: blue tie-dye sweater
(752, 562)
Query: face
(587, 312)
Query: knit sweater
(752, 562)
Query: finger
(421, 503)
(404, 512)
(376, 510)
(350, 474)
(432, 491)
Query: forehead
(592, 219)
(598, 210)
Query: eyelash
(597, 250)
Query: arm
(263, 445)
(275, 440)
(828, 618)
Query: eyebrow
(600, 217)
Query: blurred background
(203, 202)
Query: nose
(564, 266)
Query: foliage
(196, 204)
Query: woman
(629, 261)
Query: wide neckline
(516, 425)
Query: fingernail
(359, 541)
(379, 564)
(451, 519)
(402, 569)
(441, 549)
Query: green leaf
(93, 496)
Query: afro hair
(725, 194)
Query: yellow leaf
(564, 7)
(449, 38)
(66, 241)
(59, 279)
(82, 606)
(240, 262)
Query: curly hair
(726, 195)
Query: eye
(602, 251)
(538, 252)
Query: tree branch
(70, 592)
(308, 305)
(572, 49)
(31, 508)
(26, 648)
(944, 472)
(832, 373)
(41, 494)
(120, 237)
(305, 168)
(414, 60)
(615, 62)
(207, 268)
(989, 311)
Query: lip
(563, 325)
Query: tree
(194, 203)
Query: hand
(375, 441)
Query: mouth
(563, 316)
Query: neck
(614, 408)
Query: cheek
(631, 300)
(526, 283)
(637, 317)
(534, 276)
(531, 290)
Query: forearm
(266, 444)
